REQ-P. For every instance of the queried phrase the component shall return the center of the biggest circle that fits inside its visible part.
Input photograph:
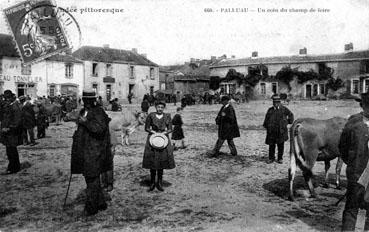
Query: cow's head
(140, 117)
(71, 116)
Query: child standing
(178, 131)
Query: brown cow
(314, 140)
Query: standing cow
(314, 140)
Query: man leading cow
(354, 151)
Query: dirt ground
(226, 193)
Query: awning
(109, 79)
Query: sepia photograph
(184, 115)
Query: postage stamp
(37, 30)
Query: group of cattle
(311, 140)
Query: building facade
(114, 73)
(351, 66)
(56, 75)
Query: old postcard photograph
(184, 115)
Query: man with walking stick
(91, 154)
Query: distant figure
(145, 105)
(41, 120)
(29, 121)
(130, 96)
(227, 127)
(276, 120)
(100, 102)
(115, 105)
(178, 134)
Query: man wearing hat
(354, 151)
(227, 127)
(276, 120)
(11, 130)
(91, 153)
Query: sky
(173, 31)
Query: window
(315, 90)
(109, 70)
(52, 91)
(262, 89)
(355, 86)
(321, 89)
(321, 68)
(152, 74)
(275, 87)
(94, 87)
(94, 69)
(151, 89)
(132, 72)
(366, 86)
(21, 89)
(68, 70)
(364, 66)
(26, 69)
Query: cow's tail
(297, 147)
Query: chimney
(254, 54)
(105, 45)
(303, 52)
(134, 50)
(144, 55)
(233, 57)
(349, 47)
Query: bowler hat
(224, 98)
(88, 94)
(276, 98)
(8, 93)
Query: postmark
(40, 29)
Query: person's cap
(276, 98)
(160, 103)
(224, 98)
(89, 94)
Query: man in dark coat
(354, 151)
(276, 120)
(91, 151)
(11, 130)
(227, 127)
(115, 105)
(145, 105)
(29, 121)
(41, 120)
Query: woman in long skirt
(158, 159)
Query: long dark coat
(41, 119)
(12, 118)
(91, 154)
(227, 123)
(276, 121)
(177, 130)
(29, 117)
(153, 158)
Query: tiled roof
(356, 55)
(111, 55)
(64, 58)
(7, 46)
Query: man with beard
(11, 130)
(91, 154)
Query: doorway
(308, 91)
(131, 88)
(108, 92)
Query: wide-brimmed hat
(276, 98)
(8, 93)
(158, 141)
(89, 94)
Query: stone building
(350, 66)
(114, 73)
